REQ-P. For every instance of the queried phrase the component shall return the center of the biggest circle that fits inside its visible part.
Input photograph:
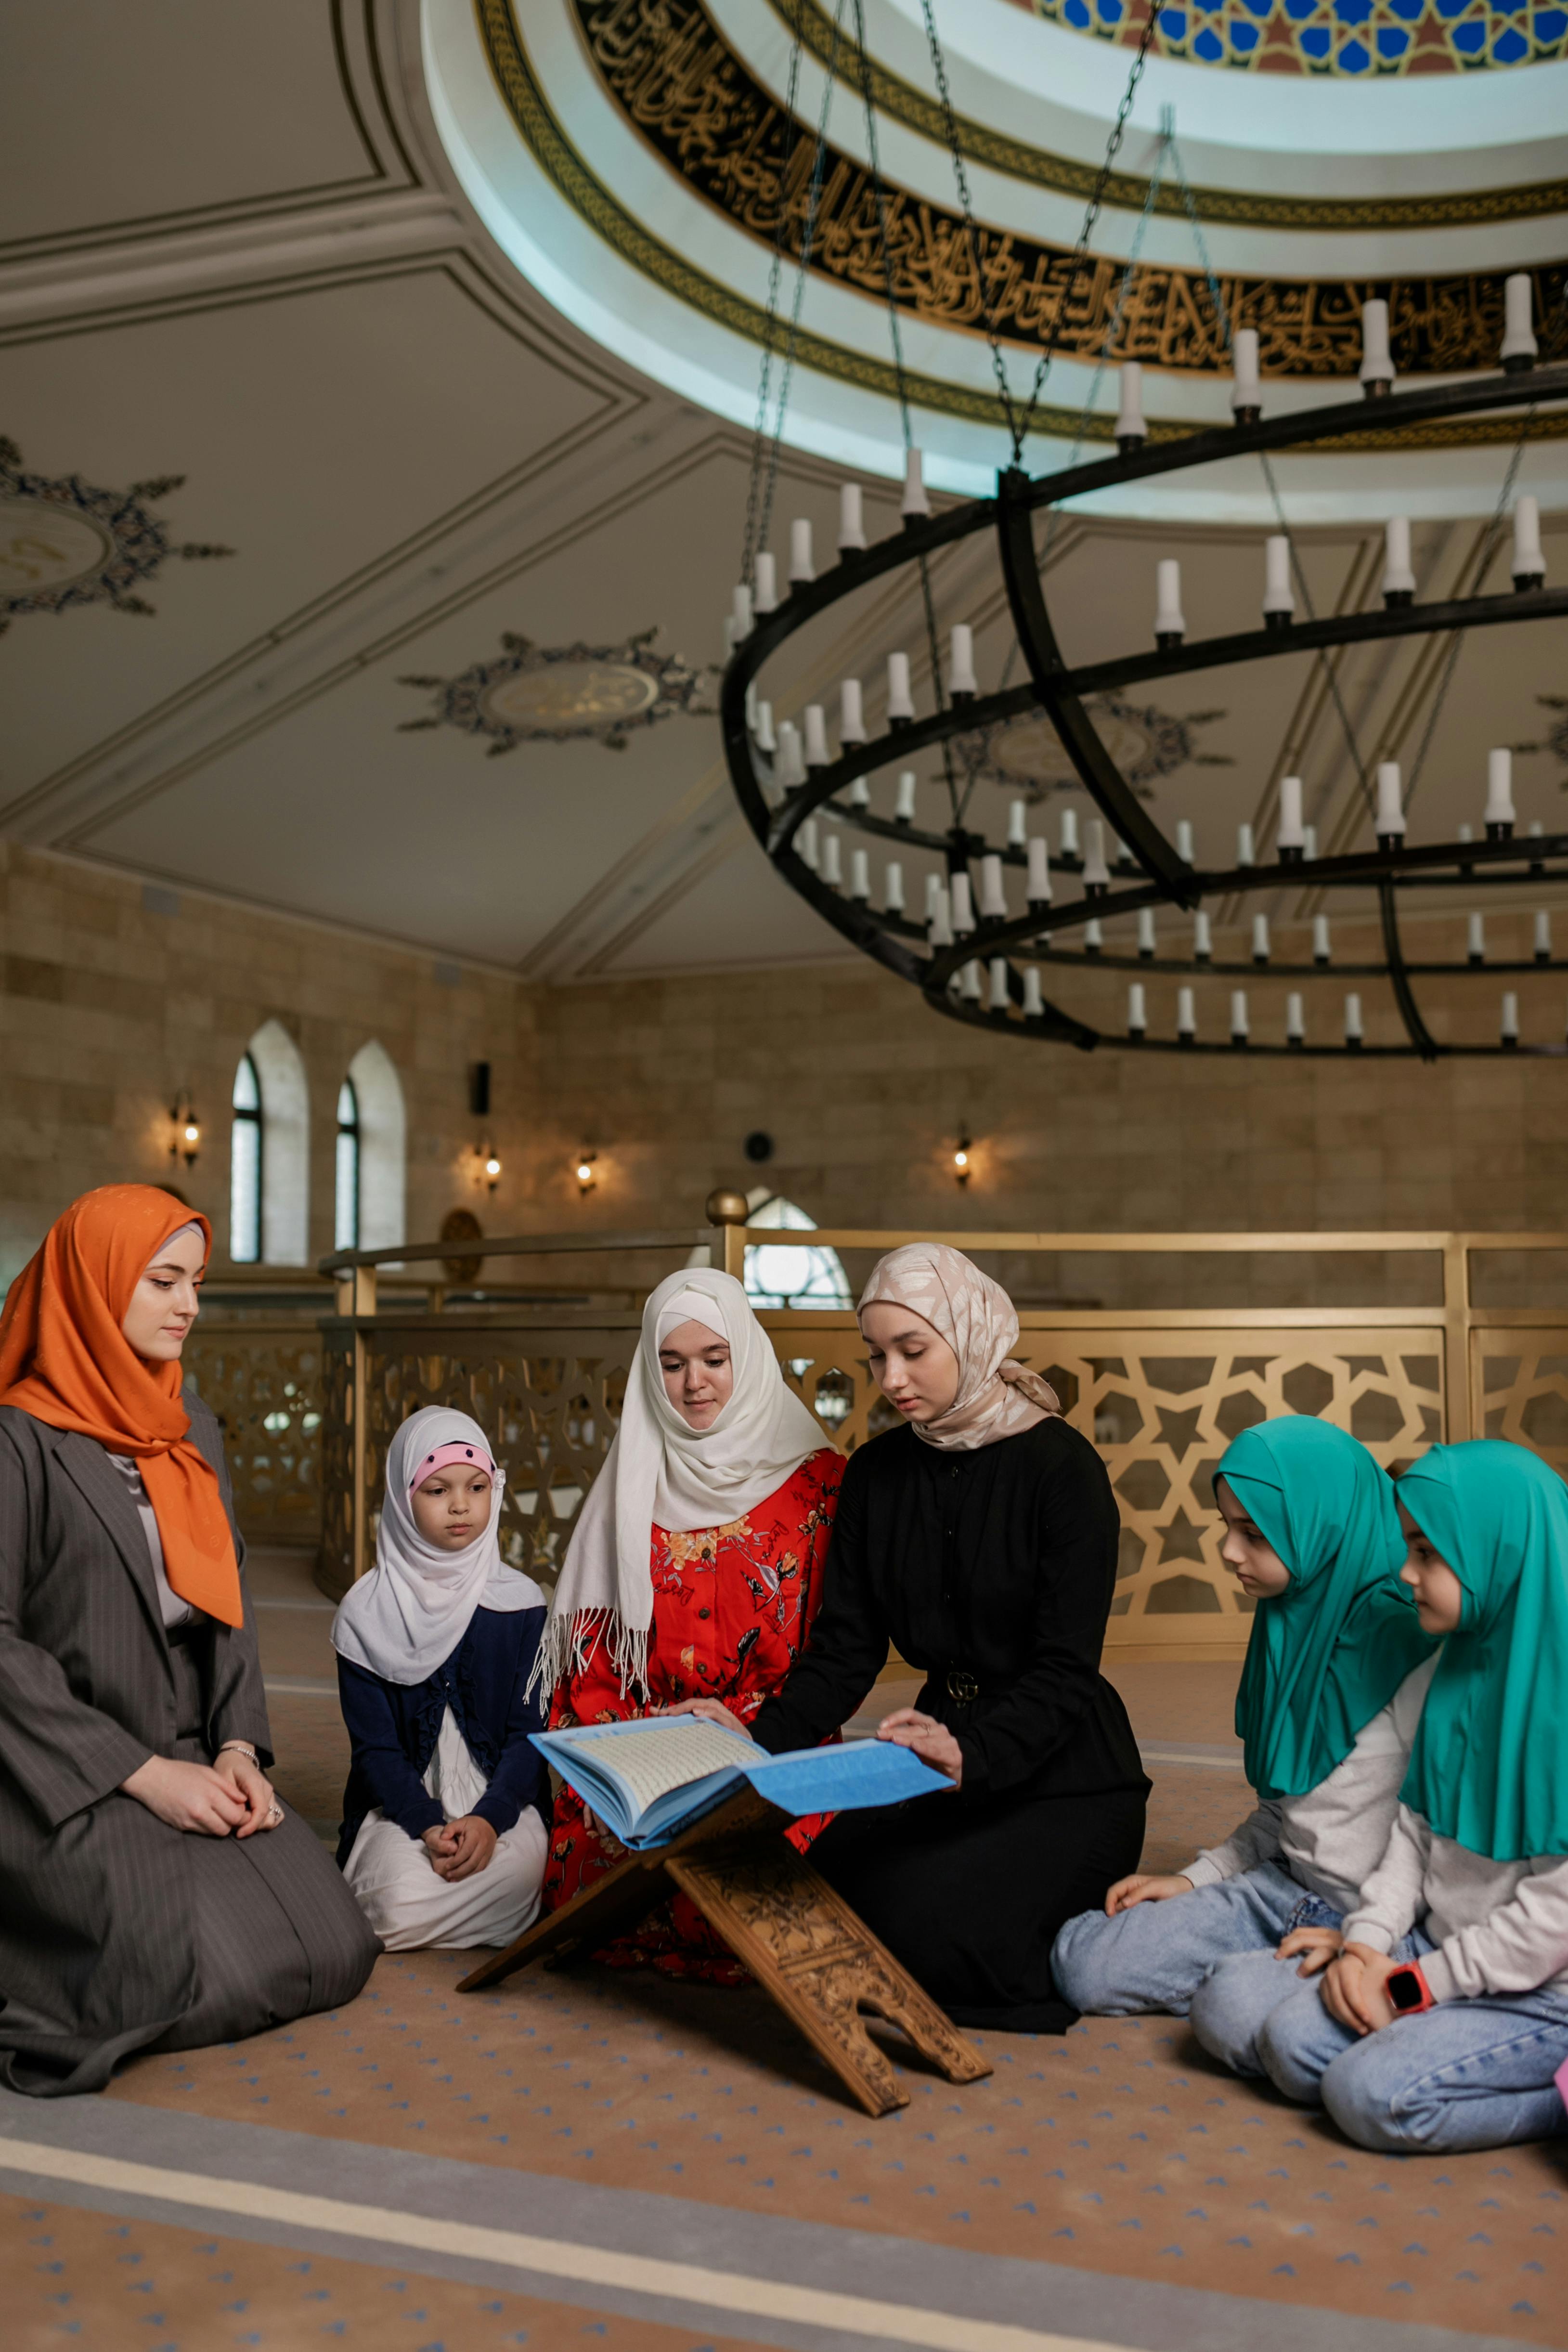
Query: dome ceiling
(629, 159)
(1361, 39)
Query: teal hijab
(1327, 1653)
(1489, 1767)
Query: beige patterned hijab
(998, 1396)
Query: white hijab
(406, 1617)
(660, 1472)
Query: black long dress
(991, 1570)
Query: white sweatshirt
(1331, 1839)
(1500, 1926)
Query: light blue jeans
(1465, 2075)
(1167, 1956)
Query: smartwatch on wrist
(1408, 1990)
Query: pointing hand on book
(711, 1711)
(931, 1741)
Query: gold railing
(1161, 1389)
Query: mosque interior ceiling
(438, 322)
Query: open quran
(648, 1779)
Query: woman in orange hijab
(153, 1892)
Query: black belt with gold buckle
(962, 1686)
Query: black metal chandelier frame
(1160, 875)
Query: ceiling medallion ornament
(563, 694)
(65, 542)
(1025, 754)
(1361, 39)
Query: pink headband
(445, 1453)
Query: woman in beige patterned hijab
(927, 1291)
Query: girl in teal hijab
(1445, 2018)
(1327, 1707)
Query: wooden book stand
(799, 1938)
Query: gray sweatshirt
(1334, 1838)
(1499, 1926)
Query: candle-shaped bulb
(1292, 833)
(1398, 586)
(764, 582)
(935, 887)
(1509, 1017)
(1186, 1014)
(1184, 839)
(1039, 886)
(1476, 939)
(762, 734)
(831, 869)
(1002, 996)
(740, 610)
(851, 522)
(1147, 942)
(1542, 937)
(801, 565)
(1017, 824)
(1389, 822)
(900, 702)
(1309, 842)
(1260, 939)
(817, 752)
(962, 686)
(1067, 844)
(1322, 948)
(969, 985)
(1130, 430)
(1170, 626)
(1239, 1029)
(1245, 851)
(938, 914)
(1499, 813)
(1202, 938)
(993, 897)
(1353, 1029)
(1137, 1010)
(788, 768)
(851, 715)
(1376, 362)
(914, 505)
(904, 809)
(1246, 389)
(893, 888)
(1279, 602)
(962, 905)
(1529, 563)
(859, 875)
(751, 707)
(1033, 1001)
(1096, 873)
(1295, 1018)
(1093, 937)
(806, 842)
(1518, 344)
(859, 794)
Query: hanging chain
(1080, 250)
(753, 539)
(961, 180)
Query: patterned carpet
(1117, 2184)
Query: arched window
(790, 1278)
(244, 1166)
(346, 1210)
(381, 1147)
(269, 1153)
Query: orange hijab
(65, 1360)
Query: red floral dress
(732, 1607)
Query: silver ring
(275, 1815)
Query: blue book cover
(647, 1779)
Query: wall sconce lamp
(185, 1138)
(492, 1165)
(586, 1179)
(962, 1159)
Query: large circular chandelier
(997, 925)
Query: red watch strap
(1413, 1970)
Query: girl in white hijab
(695, 1566)
(445, 1814)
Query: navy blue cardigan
(393, 1728)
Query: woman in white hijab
(695, 1567)
(445, 1814)
(980, 1540)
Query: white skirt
(410, 1907)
